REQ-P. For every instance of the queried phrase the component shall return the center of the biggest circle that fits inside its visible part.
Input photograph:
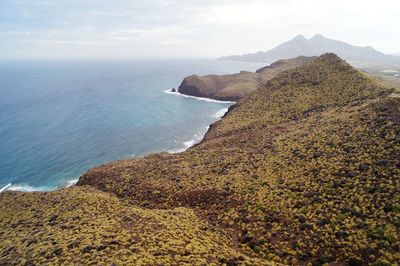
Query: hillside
(233, 87)
(318, 45)
(303, 170)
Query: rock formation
(233, 87)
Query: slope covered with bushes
(303, 170)
(81, 225)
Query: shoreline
(197, 98)
(219, 115)
(187, 145)
(28, 188)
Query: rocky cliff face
(303, 170)
(233, 87)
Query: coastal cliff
(233, 87)
(305, 169)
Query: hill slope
(317, 45)
(233, 87)
(303, 170)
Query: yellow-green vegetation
(305, 170)
(81, 225)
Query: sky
(187, 28)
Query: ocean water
(59, 119)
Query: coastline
(186, 145)
(219, 115)
(28, 188)
(197, 98)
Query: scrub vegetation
(305, 170)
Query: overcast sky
(187, 28)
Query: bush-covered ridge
(326, 82)
(304, 170)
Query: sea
(58, 119)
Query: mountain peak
(334, 61)
(318, 37)
(331, 57)
(318, 45)
(299, 37)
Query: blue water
(59, 119)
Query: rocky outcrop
(233, 87)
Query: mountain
(304, 170)
(233, 87)
(317, 45)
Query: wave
(189, 143)
(197, 139)
(186, 144)
(220, 113)
(72, 182)
(5, 187)
(26, 188)
(197, 98)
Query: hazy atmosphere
(171, 28)
(200, 132)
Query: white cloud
(188, 28)
(236, 13)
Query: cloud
(240, 13)
(187, 28)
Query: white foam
(27, 188)
(196, 98)
(177, 150)
(186, 144)
(220, 113)
(197, 138)
(189, 143)
(72, 182)
(5, 187)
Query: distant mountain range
(318, 45)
